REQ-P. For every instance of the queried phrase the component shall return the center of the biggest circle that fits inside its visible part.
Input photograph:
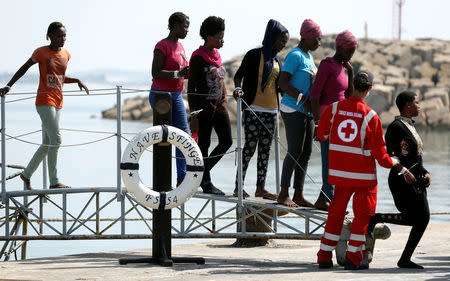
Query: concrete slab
(284, 260)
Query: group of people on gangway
(324, 104)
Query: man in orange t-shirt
(52, 62)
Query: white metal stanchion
(239, 164)
(277, 165)
(119, 142)
(3, 152)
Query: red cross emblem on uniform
(347, 130)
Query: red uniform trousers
(364, 204)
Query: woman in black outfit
(403, 142)
(207, 92)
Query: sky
(121, 34)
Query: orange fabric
(52, 69)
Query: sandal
(270, 196)
(59, 185)
(26, 181)
(244, 194)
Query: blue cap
(365, 75)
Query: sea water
(94, 165)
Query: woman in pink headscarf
(296, 78)
(331, 85)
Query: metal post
(3, 152)
(239, 163)
(97, 213)
(213, 215)
(122, 212)
(119, 142)
(182, 216)
(7, 217)
(277, 166)
(64, 207)
(23, 254)
(162, 177)
(41, 213)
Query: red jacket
(356, 138)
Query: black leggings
(221, 124)
(414, 211)
(261, 135)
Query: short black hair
(403, 98)
(177, 17)
(361, 83)
(53, 27)
(211, 26)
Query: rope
(12, 176)
(169, 92)
(70, 91)
(26, 134)
(13, 166)
(56, 145)
(29, 98)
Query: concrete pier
(282, 260)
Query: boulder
(433, 104)
(384, 90)
(442, 93)
(408, 61)
(444, 71)
(388, 116)
(136, 114)
(132, 103)
(394, 71)
(438, 118)
(110, 113)
(421, 85)
(424, 70)
(421, 120)
(377, 102)
(126, 115)
(425, 51)
(399, 83)
(147, 114)
(440, 59)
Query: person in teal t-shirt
(296, 79)
(303, 70)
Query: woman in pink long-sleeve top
(330, 85)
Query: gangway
(216, 217)
(50, 214)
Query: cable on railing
(61, 145)
(69, 91)
(174, 157)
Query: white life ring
(130, 167)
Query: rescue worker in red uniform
(356, 139)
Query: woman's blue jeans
(179, 120)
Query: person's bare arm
(287, 87)
(22, 70)
(350, 89)
(157, 67)
(81, 85)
